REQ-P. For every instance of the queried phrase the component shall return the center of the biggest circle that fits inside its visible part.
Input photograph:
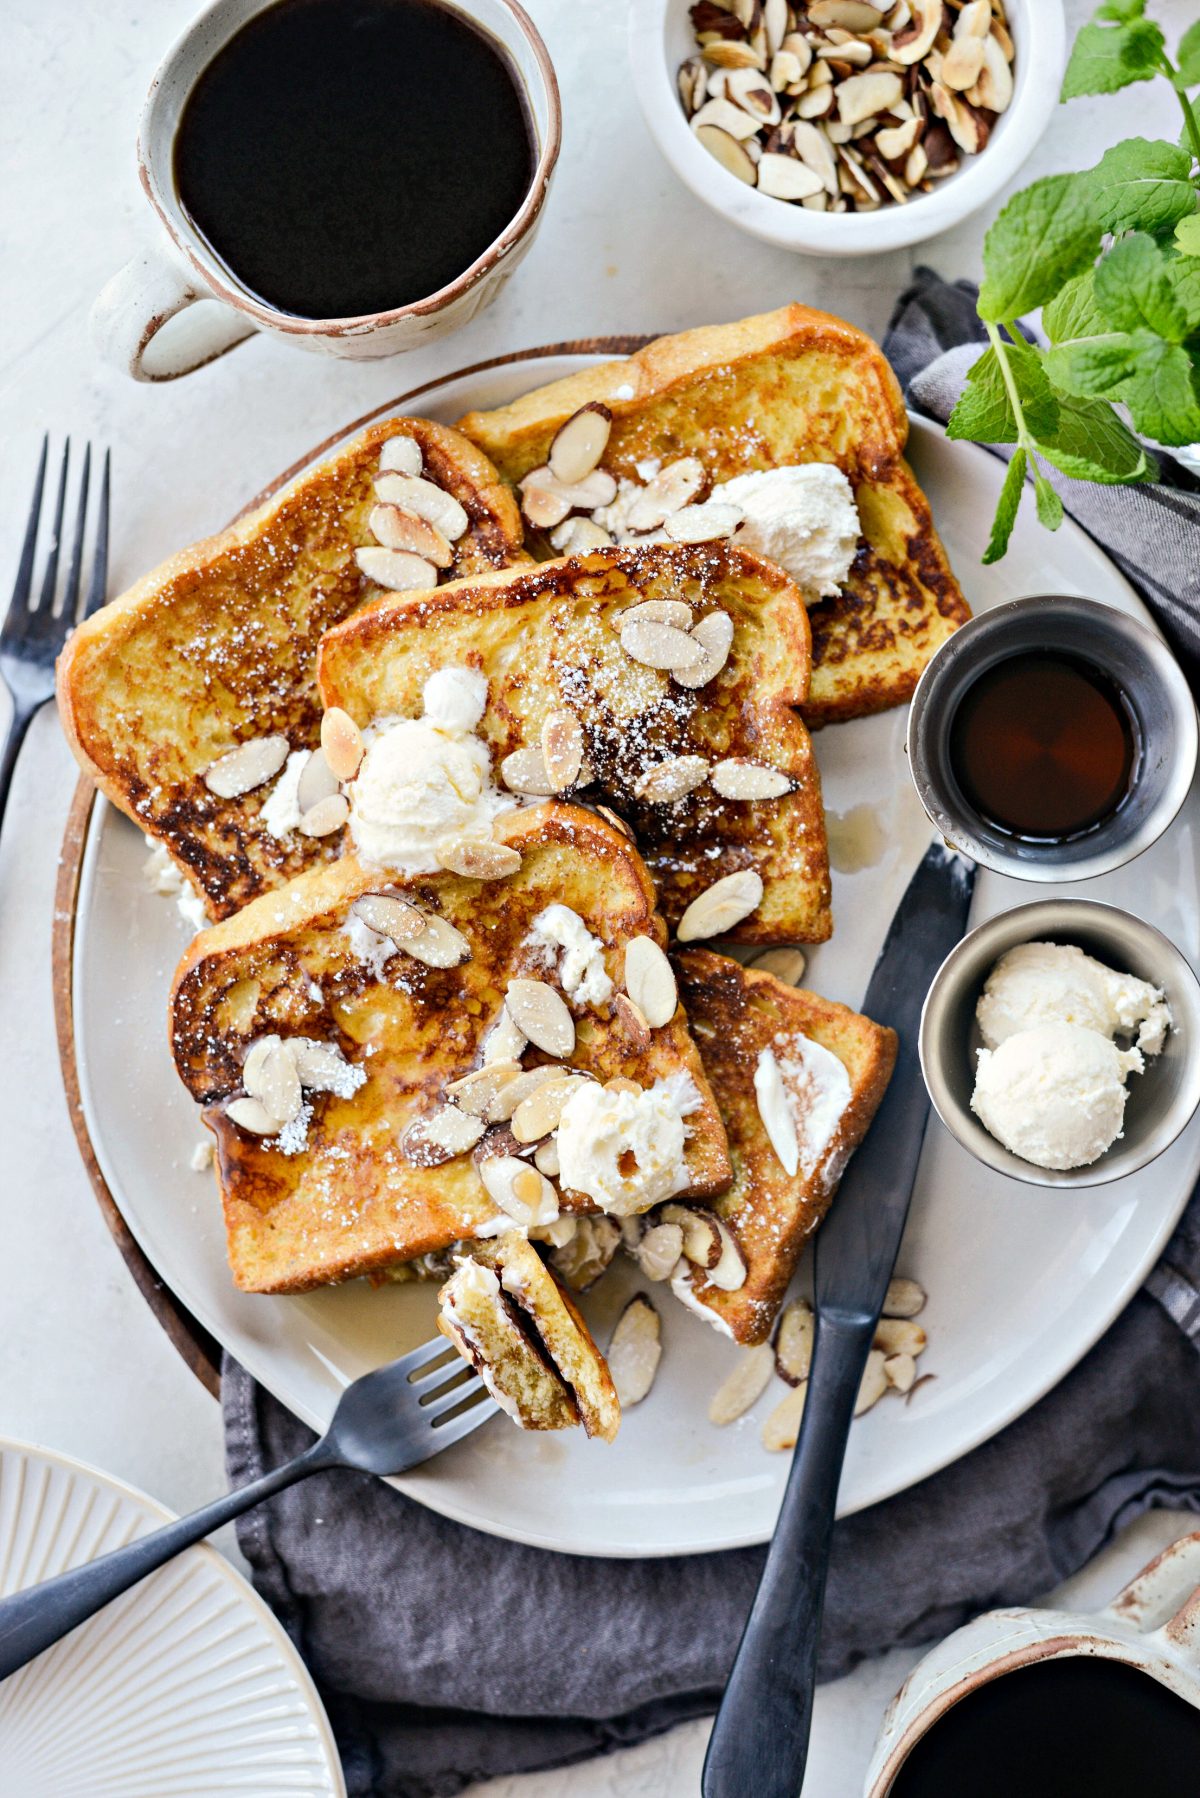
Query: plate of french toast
(498, 824)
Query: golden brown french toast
(785, 387)
(833, 1067)
(216, 649)
(563, 641)
(378, 993)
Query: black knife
(759, 1743)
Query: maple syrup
(1044, 746)
(346, 157)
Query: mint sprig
(1112, 256)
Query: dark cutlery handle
(33, 1620)
(759, 1743)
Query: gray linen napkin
(446, 1656)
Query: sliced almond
(328, 815)
(794, 1342)
(599, 488)
(738, 779)
(900, 1336)
(610, 817)
(676, 612)
(401, 455)
(786, 72)
(269, 1074)
(633, 1023)
(774, 1108)
(546, 1159)
(342, 743)
(811, 144)
(963, 62)
(538, 1115)
(702, 1243)
(784, 178)
(993, 88)
(580, 1262)
(781, 1431)
(619, 1084)
(661, 646)
(674, 779)
(515, 1092)
(751, 90)
(441, 1136)
(874, 1382)
(503, 1042)
(321, 1066)
(524, 771)
(477, 858)
(248, 766)
(396, 569)
(706, 523)
(901, 1371)
(776, 17)
(714, 634)
(439, 945)
(478, 1091)
(815, 103)
(785, 964)
(541, 1014)
(850, 15)
(634, 1351)
(580, 537)
(317, 781)
(729, 54)
(729, 1275)
(897, 141)
(543, 507)
(519, 1190)
(391, 917)
(674, 486)
(913, 42)
(432, 503)
(658, 1249)
(723, 115)
(650, 981)
(562, 749)
(580, 442)
(974, 20)
(915, 165)
(1003, 37)
(397, 529)
(253, 1116)
(744, 1386)
(904, 1299)
(722, 906)
(861, 95)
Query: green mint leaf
(984, 413)
(1073, 311)
(1183, 276)
(1048, 232)
(1121, 10)
(1092, 444)
(1105, 58)
(1007, 508)
(1187, 234)
(1049, 506)
(1132, 289)
(1141, 186)
(1092, 366)
(1188, 56)
(1162, 391)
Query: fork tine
(458, 1427)
(458, 1394)
(71, 590)
(97, 592)
(24, 580)
(421, 1357)
(50, 578)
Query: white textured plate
(1021, 1281)
(184, 1688)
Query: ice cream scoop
(1055, 1093)
(1038, 983)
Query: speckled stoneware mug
(1152, 1625)
(182, 276)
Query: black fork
(36, 628)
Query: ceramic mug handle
(135, 305)
(1164, 1599)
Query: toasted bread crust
(547, 636)
(350, 1203)
(218, 645)
(735, 1013)
(794, 385)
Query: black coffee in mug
(1077, 1727)
(347, 157)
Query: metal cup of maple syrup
(1052, 739)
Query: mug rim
(216, 279)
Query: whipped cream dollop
(581, 968)
(424, 779)
(162, 876)
(626, 1150)
(801, 516)
(803, 1090)
(1054, 1094)
(280, 813)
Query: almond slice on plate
(674, 486)
(580, 1262)
(782, 1428)
(248, 766)
(650, 981)
(658, 1249)
(738, 779)
(714, 634)
(658, 645)
(391, 917)
(519, 1190)
(342, 743)
(412, 493)
(904, 1298)
(540, 1013)
(397, 529)
(543, 507)
(744, 1386)
(794, 1342)
(635, 1350)
(674, 779)
(722, 906)
(787, 965)
(874, 1382)
(396, 569)
(580, 442)
(478, 1091)
(897, 1335)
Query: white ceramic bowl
(661, 37)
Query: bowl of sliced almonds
(844, 127)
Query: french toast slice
(384, 1165)
(551, 640)
(217, 648)
(508, 1316)
(736, 1014)
(789, 386)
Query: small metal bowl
(1134, 658)
(1161, 1101)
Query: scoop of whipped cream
(626, 1150)
(424, 779)
(1036, 983)
(581, 970)
(1055, 1094)
(801, 516)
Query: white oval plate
(184, 1687)
(1021, 1281)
